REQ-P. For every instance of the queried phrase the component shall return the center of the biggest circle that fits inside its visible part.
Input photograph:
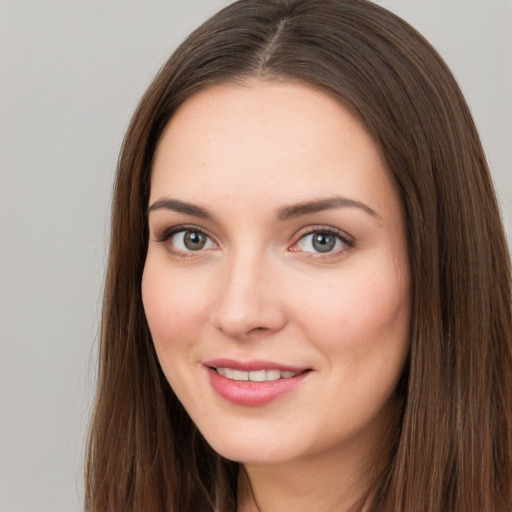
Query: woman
(308, 298)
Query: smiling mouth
(255, 375)
(253, 383)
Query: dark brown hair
(453, 445)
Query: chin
(251, 448)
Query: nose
(249, 299)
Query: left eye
(320, 242)
(189, 240)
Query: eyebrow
(282, 214)
(181, 207)
(309, 207)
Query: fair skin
(277, 251)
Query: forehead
(248, 141)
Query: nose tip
(248, 303)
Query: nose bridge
(247, 300)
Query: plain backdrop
(71, 73)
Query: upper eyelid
(326, 229)
(166, 233)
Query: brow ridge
(283, 213)
(181, 207)
(309, 207)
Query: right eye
(188, 240)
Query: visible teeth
(258, 375)
(255, 375)
(240, 375)
(226, 372)
(273, 374)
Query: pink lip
(250, 393)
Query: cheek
(175, 307)
(357, 312)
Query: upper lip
(253, 365)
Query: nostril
(257, 329)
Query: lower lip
(250, 393)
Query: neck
(302, 488)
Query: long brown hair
(453, 445)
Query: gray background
(71, 74)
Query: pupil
(194, 241)
(323, 242)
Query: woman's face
(276, 284)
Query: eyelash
(166, 235)
(346, 240)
